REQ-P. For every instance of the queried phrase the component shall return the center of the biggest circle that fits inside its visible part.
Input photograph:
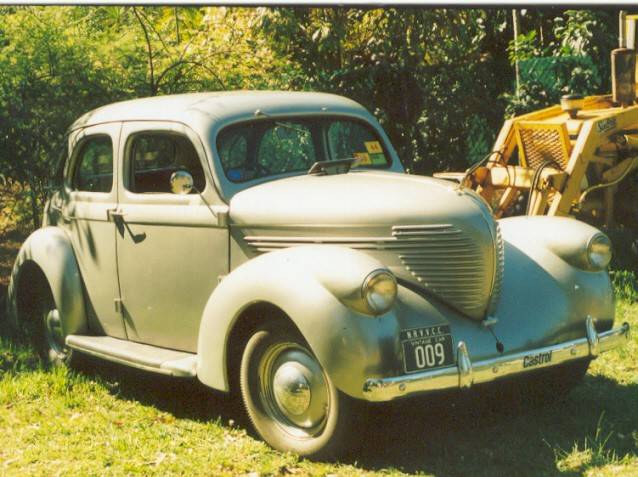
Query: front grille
(442, 258)
(448, 263)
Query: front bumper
(466, 373)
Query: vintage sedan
(271, 243)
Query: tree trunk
(35, 210)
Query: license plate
(427, 348)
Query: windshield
(268, 147)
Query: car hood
(428, 232)
(356, 198)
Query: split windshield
(268, 147)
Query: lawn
(108, 420)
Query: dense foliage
(439, 80)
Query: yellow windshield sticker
(374, 147)
(364, 158)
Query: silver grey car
(271, 244)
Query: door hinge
(118, 305)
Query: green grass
(106, 419)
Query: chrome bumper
(466, 373)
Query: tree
(438, 80)
(57, 63)
(425, 73)
(46, 77)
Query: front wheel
(290, 400)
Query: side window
(94, 166)
(155, 156)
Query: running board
(137, 355)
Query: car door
(88, 194)
(171, 251)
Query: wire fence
(555, 76)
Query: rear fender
(50, 249)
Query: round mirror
(181, 182)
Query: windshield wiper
(339, 166)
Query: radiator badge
(537, 359)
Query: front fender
(50, 249)
(545, 299)
(310, 285)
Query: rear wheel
(290, 400)
(46, 330)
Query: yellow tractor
(570, 159)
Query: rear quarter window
(94, 166)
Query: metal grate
(449, 263)
(541, 142)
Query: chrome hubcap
(55, 336)
(293, 389)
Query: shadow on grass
(486, 432)
(182, 397)
(482, 432)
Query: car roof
(199, 110)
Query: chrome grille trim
(499, 270)
(458, 275)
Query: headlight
(379, 291)
(599, 251)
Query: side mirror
(181, 182)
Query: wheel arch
(244, 325)
(48, 254)
(300, 285)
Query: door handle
(114, 214)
